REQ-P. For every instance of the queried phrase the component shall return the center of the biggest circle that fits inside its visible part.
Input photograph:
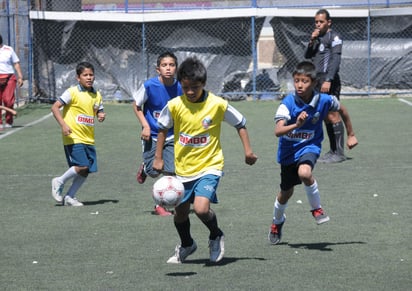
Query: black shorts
(289, 173)
(335, 85)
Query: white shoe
(217, 248)
(8, 125)
(182, 253)
(57, 189)
(69, 201)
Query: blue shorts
(149, 150)
(82, 155)
(289, 173)
(205, 186)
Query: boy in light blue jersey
(196, 117)
(298, 121)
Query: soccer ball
(168, 191)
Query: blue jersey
(155, 97)
(308, 138)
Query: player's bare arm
(250, 157)
(138, 110)
(352, 141)
(66, 130)
(158, 162)
(281, 128)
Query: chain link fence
(248, 54)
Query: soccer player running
(82, 104)
(298, 121)
(197, 116)
(325, 49)
(148, 103)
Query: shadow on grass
(207, 263)
(322, 246)
(102, 201)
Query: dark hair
(82, 66)
(166, 55)
(1, 40)
(192, 69)
(305, 68)
(324, 11)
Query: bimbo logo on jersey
(301, 135)
(84, 119)
(194, 141)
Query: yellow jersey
(79, 113)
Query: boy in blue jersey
(82, 104)
(196, 117)
(298, 121)
(148, 103)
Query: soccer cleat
(331, 158)
(57, 189)
(141, 175)
(320, 216)
(8, 125)
(159, 210)
(69, 201)
(275, 233)
(217, 248)
(182, 253)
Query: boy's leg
(312, 192)
(58, 183)
(187, 245)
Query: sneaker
(217, 248)
(275, 233)
(182, 253)
(141, 175)
(320, 216)
(159, 210)
(8, 125)
(57, 189)
(331, 158)
(69, 201)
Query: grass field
(115, 243)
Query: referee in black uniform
(325, 49)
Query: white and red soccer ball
(168, 191)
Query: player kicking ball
(197, 116)
(298, 121)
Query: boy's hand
(250, 159)
(101, 116)
(301, 119)
(158, 165)
(352, 141)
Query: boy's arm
(281, 128)
(145, 134)
(250, 157)
(19, 74)
(12, 111)
(58, 116)
(352, 140)
(158, 158)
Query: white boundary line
(405, 101)
(24, 126)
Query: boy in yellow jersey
(81, 105)
(197, 116)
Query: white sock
(69, 174)
(279, 212)
(312, 192)
(77, 183)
